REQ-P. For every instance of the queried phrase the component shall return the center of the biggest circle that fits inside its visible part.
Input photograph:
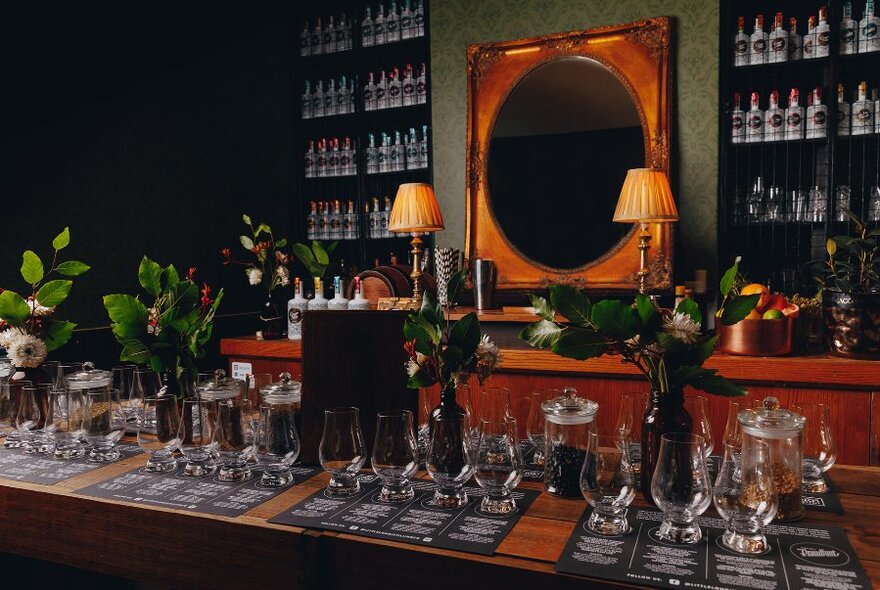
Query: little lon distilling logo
(737, 122)
(819, 117)
(820, 554)
(741, 46)
(778, 44)
(760, 46)
(794, 119)
(776, 121)
(294, 315)
(755, 122)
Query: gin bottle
(737, 121)
(397, 154)
(419, 18)
(795, 41)
(372, 155)
(409, 86)
(359, 302)
(774, 120)
(368, 38)
(395, 93)
(392, 24)
(312, 221)
(758, 43)
(307, 101)
(422, 85)
(384, 218)
(339, 32)
(370, 94)
(349, 222)
(412, 150)
(329, 36)
(755, 119)
(794, 117)
(385, 153)
(848, 28)
(322, 159)
(304, 40)
(309, 161)
(336, 221)
(869, 35)
(740, 44)
(318, 302)
(333, 159)
(406, 21)
(317, 45)
(342, 101)
(296, 308)
(339, 302)
(374, 219)
(843, 113)
(381, 92)
(423, 148)
(863, 112)
(330, 99)
(817, 116)
(874, 95)
(345, 168)
(823, 35)
(810, 39)
(318, 100)
(323, 221)
(379, 25)
(778, 41)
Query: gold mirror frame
(639, 55)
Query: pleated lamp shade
(645, 198)
(415, 210)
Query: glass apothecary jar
(231, 421)
(783, 432)
(276, 442)
(568, 421)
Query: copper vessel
(758, 337)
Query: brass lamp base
(416, 273)
(644, 244)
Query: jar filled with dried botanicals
(783, 431)
(568, 420)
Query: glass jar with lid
(83, 407)
(230, 419)
(782, 431)
(568, 420)
(277, 443)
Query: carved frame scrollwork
(639, 54)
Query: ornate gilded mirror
(554, 123)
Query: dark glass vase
(449, 450)
(273, 320)
(665, 414)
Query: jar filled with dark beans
(568, 420)
(562, 470)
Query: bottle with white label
(422, 85)
(774, 120)
(740, 44)
(305, 40)
(817, 116)
(381, 92)
(342, 101)
(406, 21)
(423, 148)
(379, 25)
(373, 218)
(412, 150)
(844, 121)
(810, 39)
(335, 220)
(312, 221)
(330, 99)
(823, 34)
(372, 155)
(408, 86)
(758, 43)
(419, 18)
(737, 121)
(321, 159)
(333, 158)
(318, 100)
(392, 24)
(317, 42)
(397, 154)
(359, 302)
(395, 92)
(369, 94)
(350, 222)
(368, 38)
(309, 161)
(794, 117)
(869, 30)
(328, 37)
(778, 42)
(863, 112)
(339, 302)
(755, 121)
(384, 218)
(296, 308)
(848, 31)
(318, 301)
(323, 220)
(307, 101)
(795, 41)
(385, 153)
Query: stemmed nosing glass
(198, 440)
(395, 455)
(277, 445)
(64, 423)
(159, 432)
(608, 482)
(342, 451)
(535, 422)
(103, 423)
(499, 463)
(820, 451)
(681, 487)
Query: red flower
(227, 256)
(410, 347)
(190, 273)
(206, 292)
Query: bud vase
(273, 320)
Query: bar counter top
(172, 548)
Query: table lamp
(645, 198)
(415, 212)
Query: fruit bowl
(758, 337)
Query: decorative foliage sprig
(316, 258)
(29, 329)
(270, 265)
(734, 307)
(853, 263)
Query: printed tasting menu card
(418, 521)
(45, 469)
(802, 555)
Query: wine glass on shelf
(535, 423)
(499, 462)
(159, 432)
(698, 408)
(103, 424)
(629, 424)
(198, 441)
(608, 482)
(450, 460)
(342, 451)
(681, 487)
(820, 451)
(395, 455)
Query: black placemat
(418, 521)
(801, 556)
(46, 469)
(206, 495)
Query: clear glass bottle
(359, 302)
(568, 422)
(317, 45)
(395, 92)
(368, 38)
(304, 40)
(423, 148)
(309, 161)
(795, 41)
(740, 44)
(381, 92)
(778, 51)
(755, 119)
(419, 18)
(863, 112)
(794, 117)
(392, 24)
(372, 155)
(844, 118)
(342, 101)
(869, 30)
(349, 222)
(823, 35)
(408, 85)
(339, 302)
(384, 217)
(412, 150)
(774, 119)
(397, 154)
(385, 153)
(810, 39)
(306, 102)
(737, 121)
(758, 43)
(369, 94)
(379, 25)
(848, 31)
(422, 85)
(330, 99)
(318, 302)
(373, 217)
(296, 308)
(817, 116)
(406, 21)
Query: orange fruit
(773, 314)
(776, 301)
(757, 289)
(753, 315)
(791, 310)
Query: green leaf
(411, 331)
(281, 243)
(331, 247)
(451, 357)
(125, 308)
(647, 312)
(263, 228)
(58, 334)
(690, 308)
(13, 308)
(320, 253)
(53, 293)
(246, 242)
(62, 240)
(615, 318)
(305, 255)
(709, 382)
(150, 276)
(31, 268)
(705, 349)
(541, 334)
(542, 308)
(465, 334)
(171, 276)
(129, 331)
(738, 308)
(580, 344)
(454, 286)
(72, 268)
(571, 303)
(419, 380)
(430, 310)
(729, 278)
(135, 351)
(432, 330)
(245, 218)
(182, 297)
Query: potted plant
(850, 292)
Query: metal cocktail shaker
(484, 276)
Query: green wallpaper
(457, 23)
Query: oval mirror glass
(560, 148)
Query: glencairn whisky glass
(499, 462)
(103, 424)
(608, 482)
(64, 423)
(450, 460)
(159, 432)
(535, 424)
(820, 451)
(698, 408)
(342, 452)
(681, 486)
(198, 440)
(395, 455)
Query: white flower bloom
(26, 351)
(7, 335)
(153, 326)
(255, 276)
(38, 310)
(411, 367)
(682, 326)
(488, 357)
(284, 274)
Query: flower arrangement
(29, 330)
(270, 265)
(172, 332)
(444, 352)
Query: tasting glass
(64, 423)
(820, 451)
(103, 423)
(65, 370)
(42, 441)
(842, 196)
(395, 455)
(745, 496)
(122, 377)
(535, 424)
(450, 461)
(794, 205)
(633, 406)
(9, 412)
(342, 451)
(198, 443)
(144, 383)
(681, 487)
(608, 482)
(233, 421)
(159, 432)
(276, 444)
(499, 463)
(698, 408)
(732, 429)
(27, 418)
(873, 204)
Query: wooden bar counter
(171, 548)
